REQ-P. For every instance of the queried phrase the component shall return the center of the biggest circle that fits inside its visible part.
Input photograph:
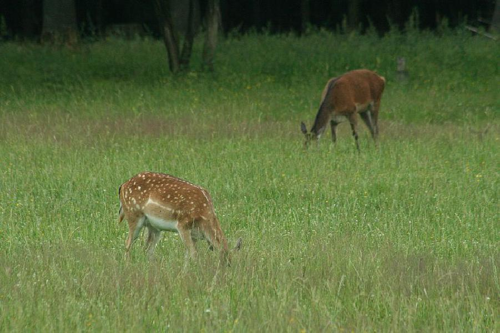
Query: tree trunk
(162, 9)
(213, 16)
(59, 22)
(189, 38)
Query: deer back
(180, 198)
(359, 87)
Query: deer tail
(120, 212)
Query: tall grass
(403, 237)
(460, 72)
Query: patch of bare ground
(68, 128)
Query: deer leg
(367, 119)
(354, 125)
(333, 126)
(198, 233)
(134, 229)
(154, 237)
(185, 234)
(374, 112)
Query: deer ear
(303, 128)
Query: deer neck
(322, 119)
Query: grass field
(403, 237)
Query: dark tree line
(178, 21)
(24, 18)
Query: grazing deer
(162, 202)
(344, 97)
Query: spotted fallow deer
(163, 202)
(344, 97)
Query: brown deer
(163, 202)
(344, 97)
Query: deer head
(309, 135)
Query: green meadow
(402, 237)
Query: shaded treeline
(24, 18)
